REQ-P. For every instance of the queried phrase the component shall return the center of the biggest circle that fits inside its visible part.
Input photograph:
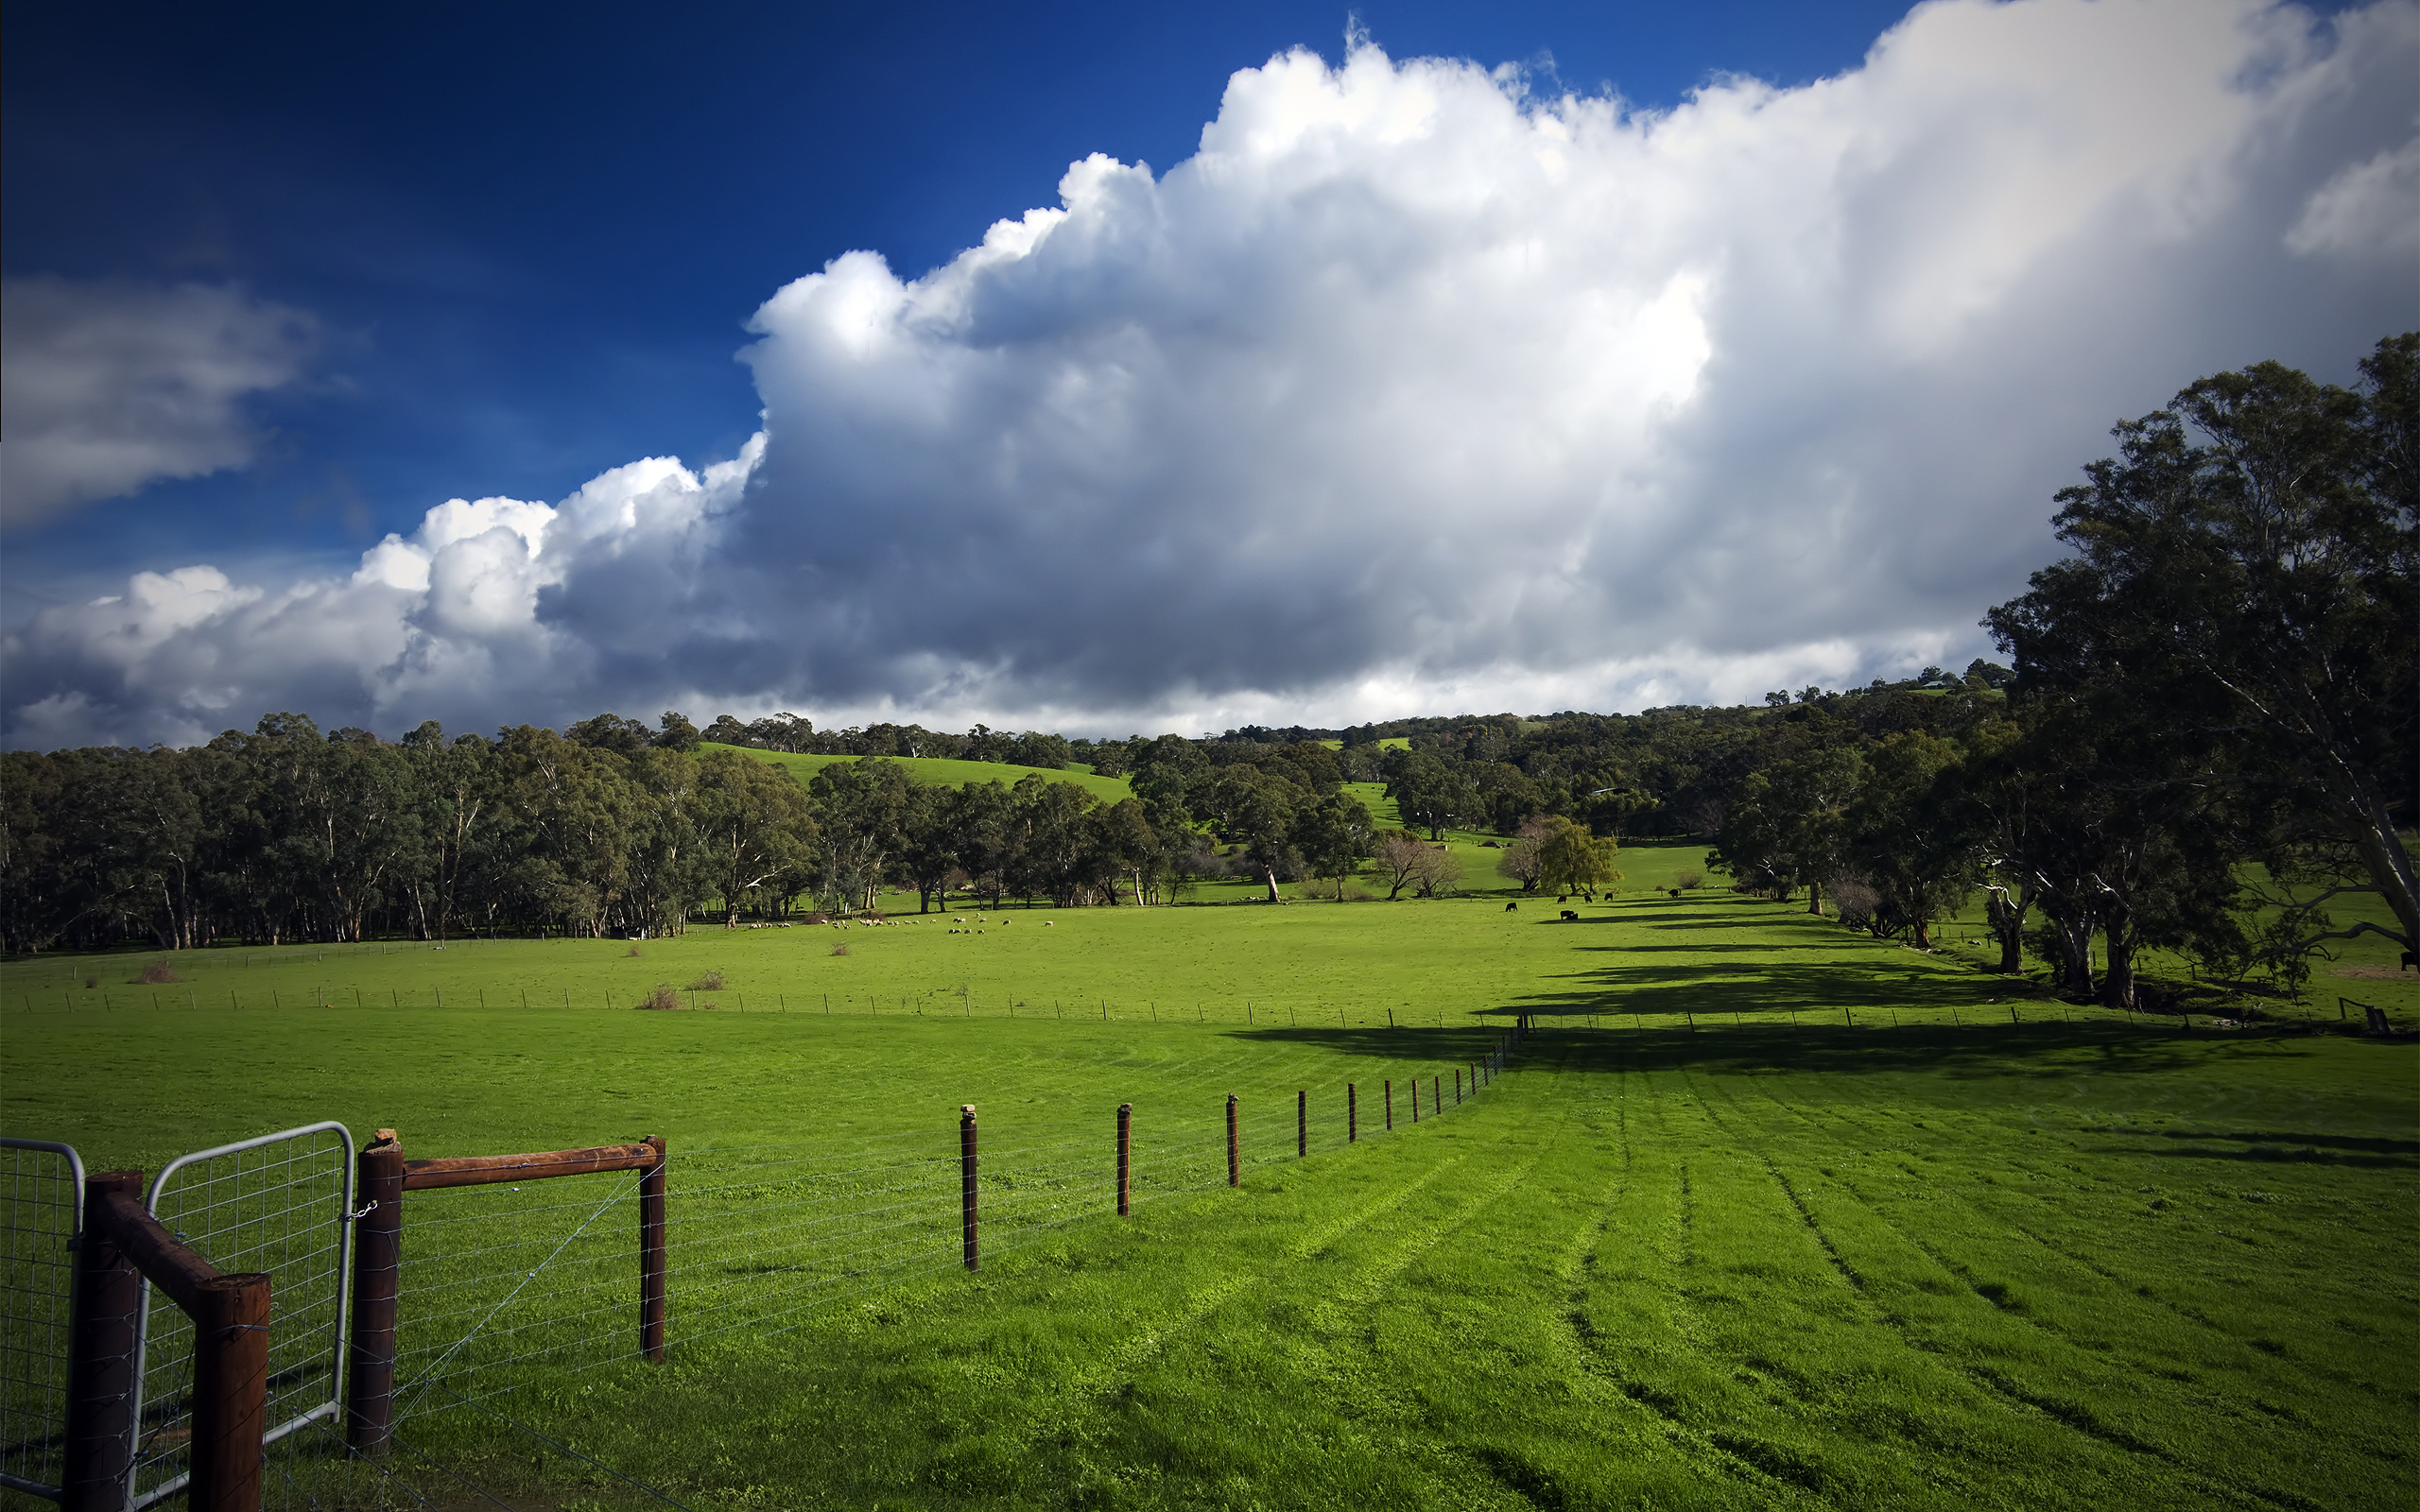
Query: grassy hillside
(935, 771)
(1769, 1216)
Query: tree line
(2224, 673)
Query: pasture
(1767, 1213)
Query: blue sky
(494, 252)
(534, 230)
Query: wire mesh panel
(43, 1194)
(278, 1204)
(500, 1280)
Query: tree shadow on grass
(2268, 1148)
(2046, 1048)
(1766, 949)
(1729, 990)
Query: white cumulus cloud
(1413, 390)
(108, 385)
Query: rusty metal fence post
(966, 1157)
(651, 1257)
(1389, 1095)
(107, 1305)
(231, 1393)
(1302, 1120)
(1235, 1152)
(1352, 1113)
(377, 1277)
(1125, 1157)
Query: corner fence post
(100, 1360)
(231, 1393)
(1352, 1113)
(1234, 1170)
(378, 1281)
(652, 1186)
(966, 1157)
(1302, 1120)
(1125, 1157)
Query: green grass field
(935, 771)
(1768, 1213)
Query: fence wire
(503, 1286)
(276, 1204)
(42, 1188)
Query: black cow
(1512, 908)
(1571, 914)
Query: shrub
(841, 948)
(710, 982)
(159, 973)
(635, 949)
(92, 981)
(663, 999)
(1688, 881)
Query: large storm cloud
(1412, 389)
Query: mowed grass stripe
(2059, 1337)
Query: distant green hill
(934, 771)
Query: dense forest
(2206, 733)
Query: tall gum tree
(2262, 584)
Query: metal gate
(41, 1207)
(280, 1203)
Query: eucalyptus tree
(2260, 587)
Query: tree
(861, 809)
(1899, 840)
(677, 732)
(2261, 587)
(1255, 813)
(1572, 860)
(755, 825)
(1404, 857)
(1520, 859)
(1433, 795)
(1335, 837)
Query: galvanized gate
(281, 1203)
(41, 1209)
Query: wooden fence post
(967, 1159)
(1458, 1086)
(1390, 1094)
(1352, 1113)
(1437, 1095)
(1125, 1157)
(377, 1275)
(108, 1302)
(651, 1185)
(1235, 1169)
(1302, 1120)
(231, 1393)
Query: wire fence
(276, 1204)
(506, 1286)
(513, 1285)
(45, 1201)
